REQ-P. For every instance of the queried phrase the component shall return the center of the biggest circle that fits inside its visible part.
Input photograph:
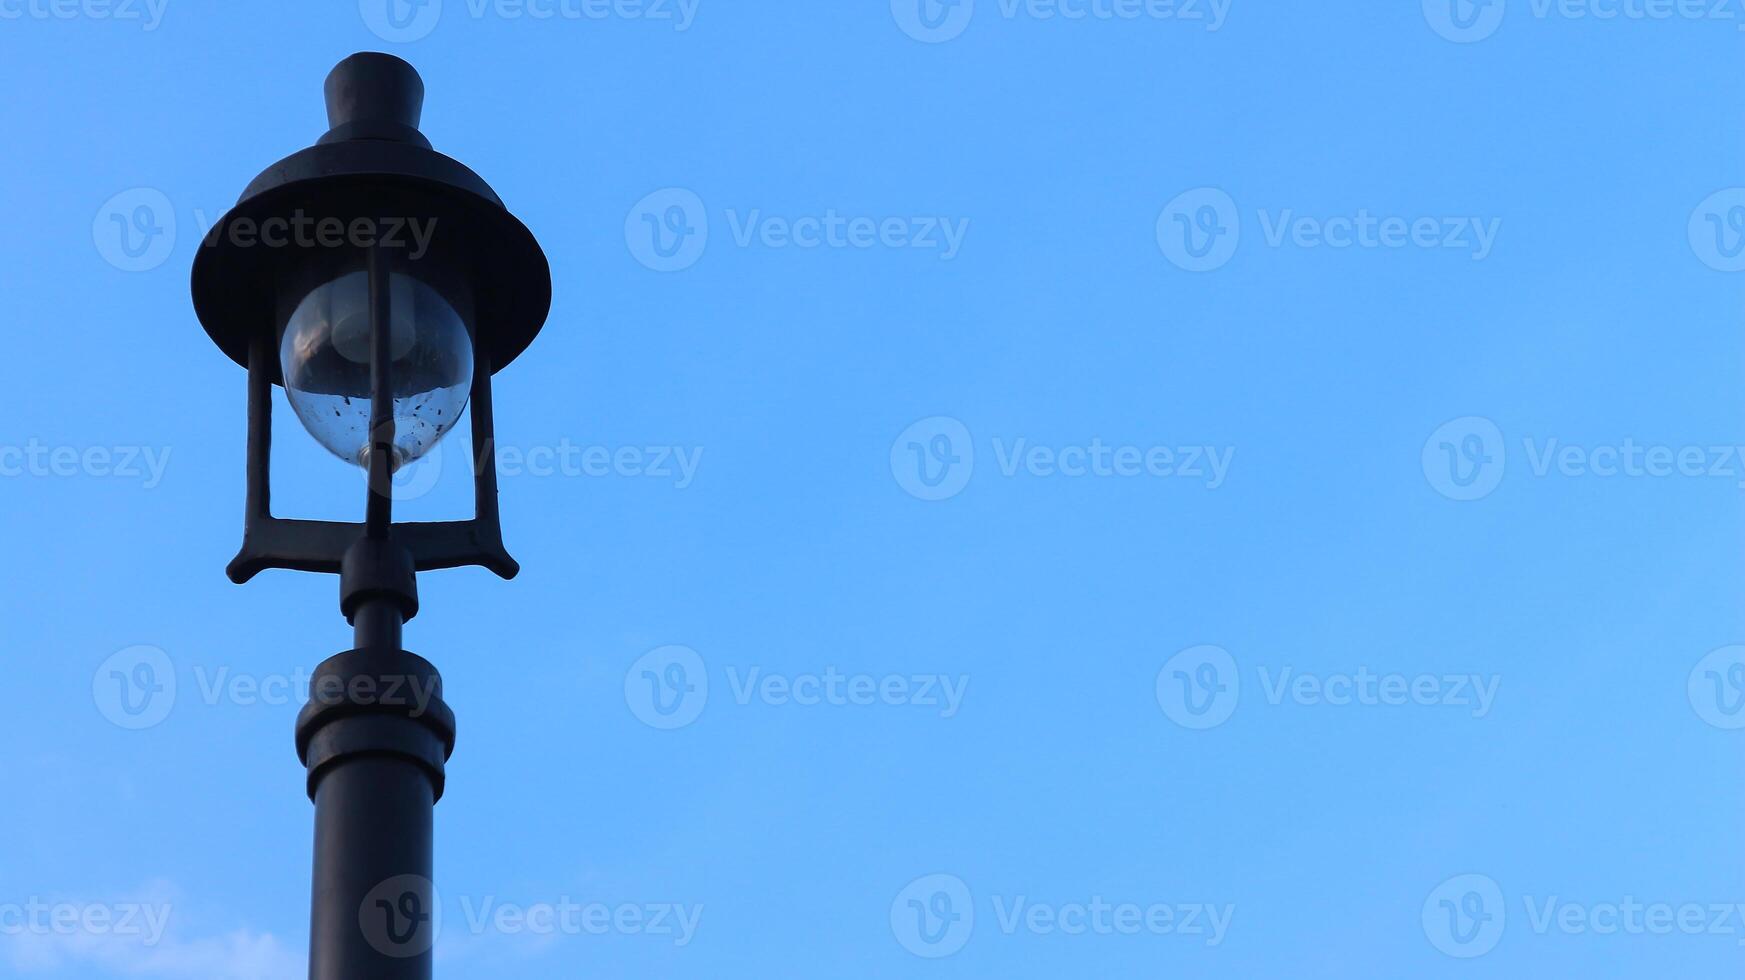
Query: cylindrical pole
(374, 737)
(373, 912)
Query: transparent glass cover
(325, 358)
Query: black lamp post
(381, 284)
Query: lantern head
(381, 284)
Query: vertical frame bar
(484, 449)
(379, 515)
(258, 503)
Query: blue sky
(1081, 488)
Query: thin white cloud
(240, 955)
(122, 943)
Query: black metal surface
(320, 546)
(379, 511)
(378, 572)
(374, 96)
(374, 739)
(483, 260)
(372, 166)
(376, 735)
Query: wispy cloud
(136, 937)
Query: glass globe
(325, 358)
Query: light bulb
(325, 359)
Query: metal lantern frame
(373, 166)
(376, 735)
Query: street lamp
(381, 284)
